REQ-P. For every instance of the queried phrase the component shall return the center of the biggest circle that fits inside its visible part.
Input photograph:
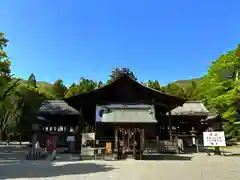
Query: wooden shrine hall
(126, 130)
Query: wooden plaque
(108, 147)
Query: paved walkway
(170, 167)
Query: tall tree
(117, 72)
(174, 89)
(7, 102)
(219, 90)
(32, 80)
(154, 85)
(100, 84)
(72, 90)
(5, 63)
(59, 89)
(30, 100)
(83, 86)
(86, 85)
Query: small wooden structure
(191, 120)
(128, 124)
(58, 116)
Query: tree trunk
(34, 140)
(1, 135)
(20, 139)
(217, 151)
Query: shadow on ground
(13, 165)
(232, 154)
(171, 157)
(44, 169)
(192, 150)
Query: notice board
(216, 138)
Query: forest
(20, 99)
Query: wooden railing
(164, 146)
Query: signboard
(87, 138)
(87, 151)
(70, 138)
(87, 144)
(216, 138)
(108, 147)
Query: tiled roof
(57, 107)
(191, 108)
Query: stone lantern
(194, 138)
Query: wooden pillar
(78, 132)
(34, 140)
(142, 142)
(123, 142)
(129, 134)
(116, 140)
(170, 123)
(157, 129)
(197, 146)
(177, 145)
(134, 144)
(157, 144)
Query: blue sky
(163, 40)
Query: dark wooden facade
(124, 90)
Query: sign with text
(87, 144)
(216, 138)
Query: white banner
(87, 144)
(71, 138)
(216, 138)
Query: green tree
(219, 90)
(154, 85)
(188, 91)
(59, 89)
(100, 84)
(30, 101)
(8, 108)
(5, 63)
(10, 115)
(32, 80)
(84, 85)
(72, 90)
(117, 72)
(174, 89)
(30, 97)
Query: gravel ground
(169, 167)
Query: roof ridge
(204, 107)
(194, 101)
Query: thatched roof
(191, 108)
